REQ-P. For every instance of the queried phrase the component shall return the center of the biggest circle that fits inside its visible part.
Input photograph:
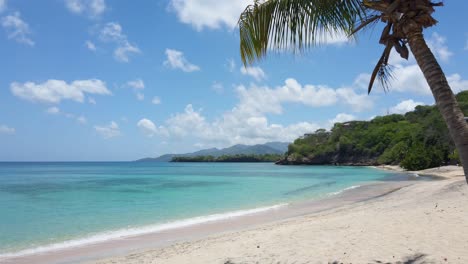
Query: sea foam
(130, 232)
(345, 189)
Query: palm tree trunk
(443, 95)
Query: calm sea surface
(54, 205)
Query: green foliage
(229, 158)
(416, 140)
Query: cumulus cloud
(112, 32)
(122, 52)
(255, 72)
(54, 91)
(53, 110)
(217, 87)
(341, 118)
(209, 13)
(108, 131)
(176, 60)
(17, 29)
(437, 44)
(147, 127)
(234, 127)
(270, 100)
(217, 14)
(156, 100)
(247, 121)
(4, 129)
(92, 8)
(405, 106)
(90, 45)
(137, 84)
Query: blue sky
(120, 80)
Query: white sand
(426, 222)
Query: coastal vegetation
(274, 25)
(230, 158)
(416, 140)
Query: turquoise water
(49, 203)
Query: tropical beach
(419, 223)
(233, 132)
(422, 220)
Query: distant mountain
(259, 149)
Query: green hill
(277, 148)
(416, 140)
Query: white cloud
(405, 106)
(247, 121)
(91, 100)
(82, 120)
(92, 8)
(437, 44)
(53, 110)
(176, 60)
(457, 83)
(341, 118)
(112, 32)
(140, 96)
(147, 127)
(409, 78)
(4, 129)
(122, 52)
(56, 111)
(231, 65)
(156, 100)
(256, 72)
(268, 100)
(217, 87)
(54, 91)
(90, 45)
(209, 13)
(3, 5)
(17, 29)
(137, 84)
(108, 131)
(234, 127)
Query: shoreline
(423, 222)
(193, 234)
(443, 172)
(163, 235)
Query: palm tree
(296, 25)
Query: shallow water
(65, 204)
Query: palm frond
(382, 70)
(371, 20)
(294, 24)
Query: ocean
(46, 206)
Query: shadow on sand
(413, 259)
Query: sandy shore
(426, 222)
(447, 172)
